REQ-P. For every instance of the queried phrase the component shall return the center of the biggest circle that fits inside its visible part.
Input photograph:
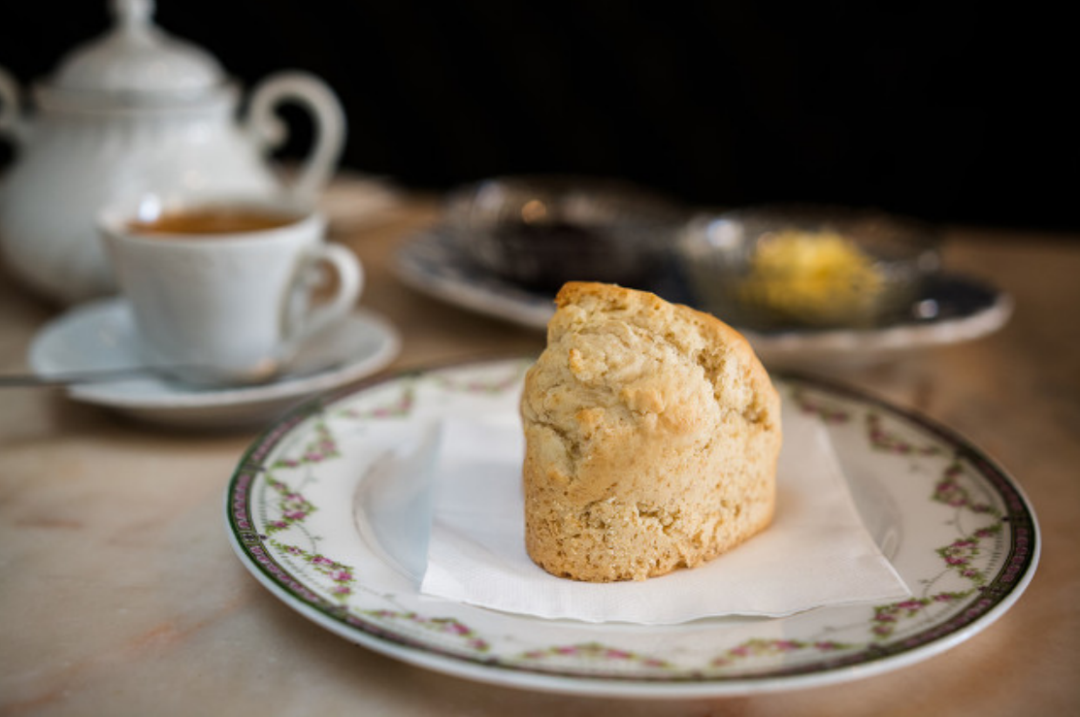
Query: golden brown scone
(651, 433)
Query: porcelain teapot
(139, 110)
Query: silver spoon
(104, 375)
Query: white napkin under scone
(817, 551)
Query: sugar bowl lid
(136, 58)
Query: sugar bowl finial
(132, 13)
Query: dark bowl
(542, 231)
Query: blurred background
(955, 112)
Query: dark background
(956, 112)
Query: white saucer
(102, 335)
(965, 309)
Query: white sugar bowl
(138, 110)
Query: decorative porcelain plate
(953, 309)
(954, 525)
(101, 336)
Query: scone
(651, 438)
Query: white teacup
(225, 291)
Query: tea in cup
(225, 291)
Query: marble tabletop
(121, 595)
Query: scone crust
(652, 433)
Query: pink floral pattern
(485, 385)
(888, 617)
(758, 647)
(960, 555)
(400, 407)
(814, 405)
(951, 491)
(341, 576)
(322, 446)
(446, 626)
(595, 652)
(292, 506)
(887, 441)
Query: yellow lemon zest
(813, 277)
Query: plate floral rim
(610, 670)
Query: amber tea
(210, 220)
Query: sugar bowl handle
(269, 131)
(11, 120)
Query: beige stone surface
(119, 593)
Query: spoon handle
(102, 375)
(72, 378)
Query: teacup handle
(270, 132)
(350, 282)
